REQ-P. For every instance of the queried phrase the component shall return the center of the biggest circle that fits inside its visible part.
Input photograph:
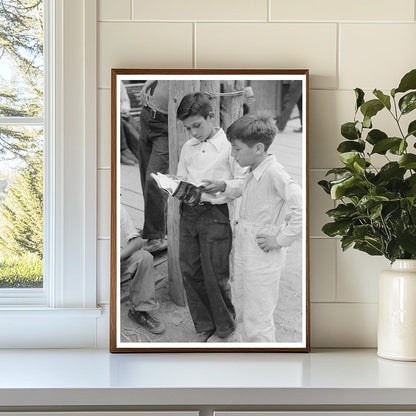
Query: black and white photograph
(209, 210)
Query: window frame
(70, 171)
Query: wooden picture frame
(232, 93)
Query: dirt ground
(179, 326)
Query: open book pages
(185, 191)
(166, 182)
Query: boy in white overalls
(270, 220)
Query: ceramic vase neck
(401, 264)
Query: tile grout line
(194, 61)
(338, 63)
(131, 9)
(226, 21)
(269, 10)
(336, 271)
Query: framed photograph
(209, 211)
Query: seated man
(137, 264)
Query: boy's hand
(212, 186)
(267, 242)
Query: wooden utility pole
(232, 106)
(177, 137)
(213, 90)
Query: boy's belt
(156, 115)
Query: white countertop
(96, 377)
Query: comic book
(187, 192)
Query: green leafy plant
(376, 210)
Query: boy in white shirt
(205, 231)
(270, 219)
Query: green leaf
(371, 108)
(375, 135)
(408, 161)
(359, 166)
(359, 95)
(393, 250)
(348, 158)
(325, 186)
(398, 149)
(346, 242)
(349, 146)
(375, 211)
(407, 239)
(383, 145)
(411, 130)
(368, 248)
(367, 122)
(342, 211)
(350, 187)
(391, 170)
(408, 102)
(408, 82)
(338, 171)
(333, 229)
(361, 231)
(349, 131)
(369, 201)
(385, 99)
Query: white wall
(345, 44)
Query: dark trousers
(204, 250)
(153, 157)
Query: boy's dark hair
(194, 104)
(253, 128)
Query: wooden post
(265, 96)
(213, 87)
(232, 106)
(177, 137)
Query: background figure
(153, 158)
(129, 137)
(290, 99)
(137, 264)
(299, 105)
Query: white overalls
(271, 204)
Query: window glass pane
(21, 58)
(21, 207)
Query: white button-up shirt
(270, 197)
(210, 159)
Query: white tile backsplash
(270, 46)
(349, 325)
(345, 44)
(341, 10)
(376, 55)
(201, 10)
(357, 275)
(114, 10)
(142, 45)
(323, 269)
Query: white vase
(397, 312)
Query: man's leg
(155, 199)
(142, 291)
